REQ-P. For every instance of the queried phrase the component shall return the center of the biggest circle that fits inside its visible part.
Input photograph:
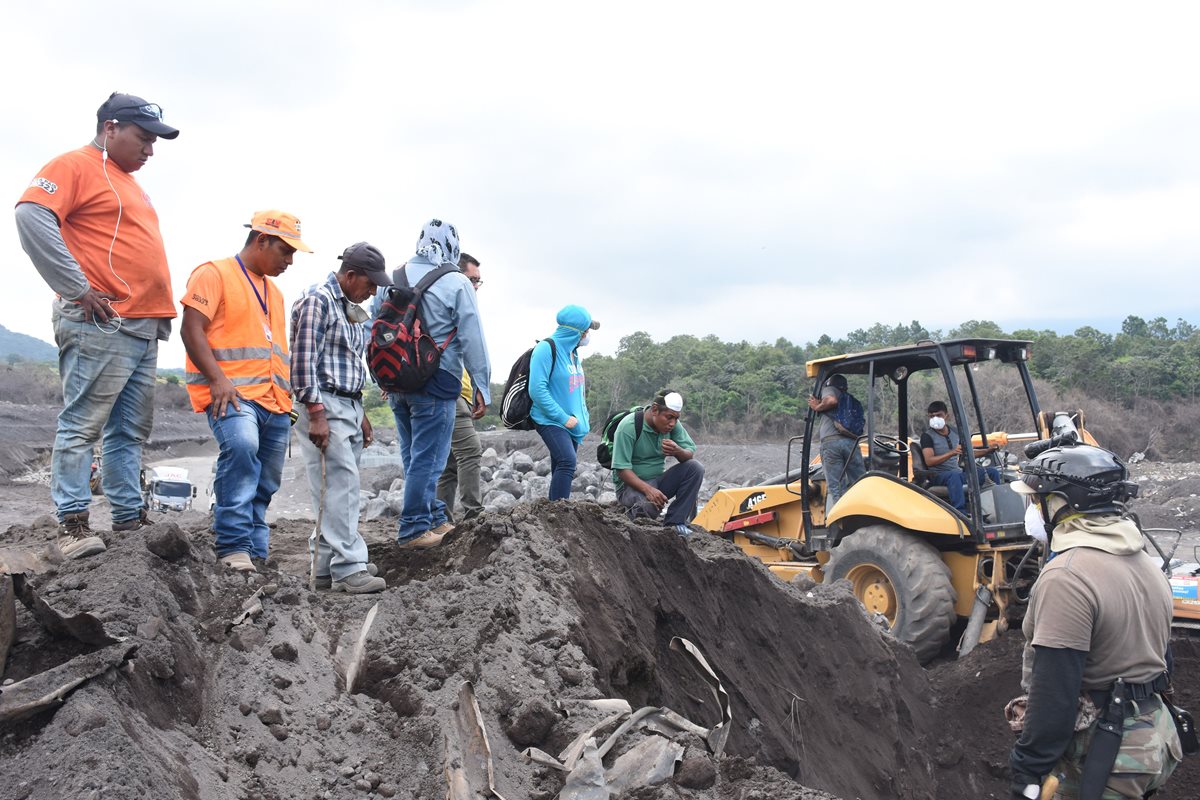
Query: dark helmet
(837, 381)
(1090, 479)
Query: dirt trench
(541, 609)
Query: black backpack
(848, 417)
(401, 355)
(516, 405)
(604, 450)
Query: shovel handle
(1049, 787)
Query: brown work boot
(142, 520)
(443, 529)
(239, 561)
(75, 537)
(425, 541)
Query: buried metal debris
(720, 732)
(46, 689)
(588, 781)
(20, 560)
(360, 649)
(571, 754)
(251, 608)
(469, 771)
(649, 762)
(82, 626)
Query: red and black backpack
(401, 355)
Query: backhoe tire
(895, 574)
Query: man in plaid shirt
(328, 341)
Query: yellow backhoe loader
(912, 559)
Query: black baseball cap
(367, 259)
(131, 108)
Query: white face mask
(1035, 526)
(356, 313)
(937, 423)
(587, 337)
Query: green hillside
(16, 347)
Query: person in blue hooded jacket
(556, 388)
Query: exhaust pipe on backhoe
(970, 637)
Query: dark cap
(367, 259)
(131, 108)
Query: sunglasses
(476, 282)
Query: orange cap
(279, 223)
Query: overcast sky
(753, 170)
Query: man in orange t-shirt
(238, 374)
(92, 234)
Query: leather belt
(341, 393)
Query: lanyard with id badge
(262, 299)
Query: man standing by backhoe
(1097, 631)
(841, 459)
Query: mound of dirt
(235, 685)
(540, 609)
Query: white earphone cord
(116, 318)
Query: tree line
(758, 390)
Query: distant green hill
(20, 347)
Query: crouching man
(641, 445)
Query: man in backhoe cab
(941, 446)
(1097, 631)
(641, 444)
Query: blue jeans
(562, 459)
(955, 479)
(253, 442)
(681, 482)
(108, 391)
(843, 464)
(425, 425)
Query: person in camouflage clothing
(1098, 627)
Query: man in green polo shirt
(643, 484)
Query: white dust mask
(1035, 526)
(937, 423)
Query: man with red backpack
(425, 415)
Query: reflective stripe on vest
(258, 367)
